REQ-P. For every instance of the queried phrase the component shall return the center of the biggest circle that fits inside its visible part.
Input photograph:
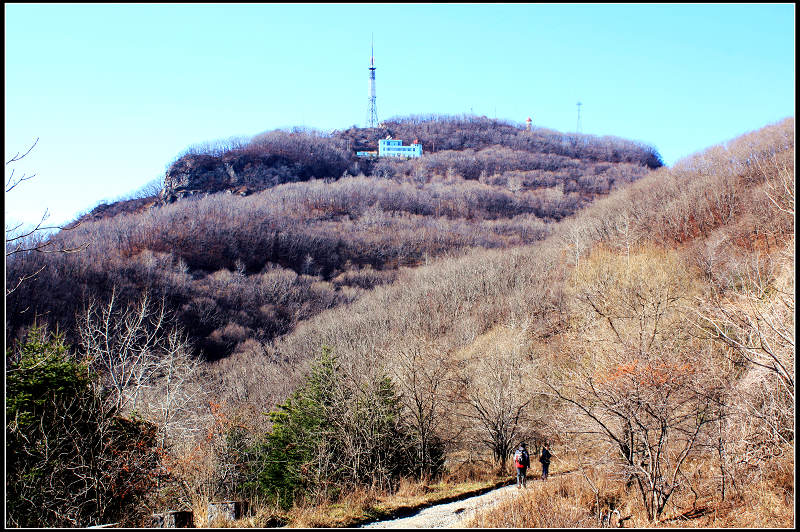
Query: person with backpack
(545, 459)
(522, 462)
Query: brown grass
(364, 504)
(563, 501)
(258, 515)
(567, 501)
(559, 502)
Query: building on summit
(390, 147)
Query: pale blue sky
(115, 92)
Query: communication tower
(578, 125)
(372, 110)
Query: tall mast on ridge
(372, 110)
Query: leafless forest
(236, 268)
(507, 286)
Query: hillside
(289, 224)
(386, 336)
(664, 312)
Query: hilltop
(470, 147)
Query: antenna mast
(578, 125)
(372, 110)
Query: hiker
(545, 459)
(522, 462)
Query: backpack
(521, 458)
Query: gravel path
(451, 514)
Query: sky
(115, 92)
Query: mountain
(413, 321)
(249, 238)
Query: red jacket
(524, 462)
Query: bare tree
(757, 323)
(576, 239)
(654, 409)
(655, 413)
(423, 375)
(754, 323)
(174, 397)
(135, 348)
(12, 182)
(497, 396)
(780, 180)
(21, 239)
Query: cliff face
(237, 173)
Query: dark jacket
(545, 457)
(522, 459)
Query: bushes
(269, 159)
(722, 187)
(71, 460)
(441, 132)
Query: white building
(389, 147)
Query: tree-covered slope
(247, 239)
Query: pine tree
(300, 427)
(333, 432)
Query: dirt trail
(451, 514)
(456, 514)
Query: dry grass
(566, 500)
(764, 499)
(364, 504)
(258, 515)
(559, 502)
(468, 467)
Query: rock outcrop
(237, 173)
